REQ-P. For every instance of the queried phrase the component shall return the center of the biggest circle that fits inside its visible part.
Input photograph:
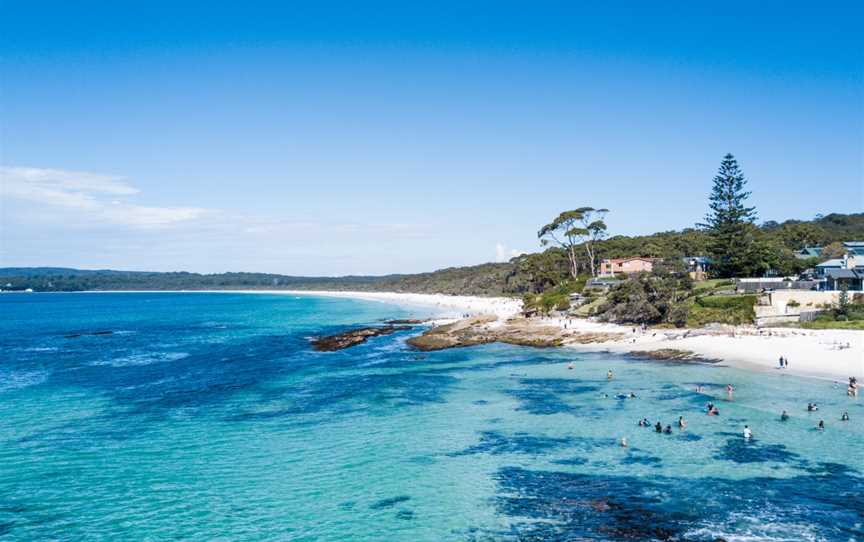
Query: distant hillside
(525, 274)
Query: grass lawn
(828, 324)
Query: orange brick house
(626, 266)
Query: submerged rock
(671, 355)
(405, 322)
(352, 337)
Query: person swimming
(784, 416)
(748, 434)
(844, 417)
(812, 407)
(668, 430)
(714, 411)
(658, 427)
(609, 375)
(681, 423)
(821, 425)
(623, 442)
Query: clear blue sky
(375, 137)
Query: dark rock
(405, 322)
(352, 337)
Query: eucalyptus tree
(583, 226)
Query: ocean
(208, 416)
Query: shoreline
(819, 354)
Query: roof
(843, 274)
(859, 244)
(620, 260)
(836, 262)
(810, 252)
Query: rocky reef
(486, 329)
(353, 337)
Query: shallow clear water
(208, 416)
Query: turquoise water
(208, 417)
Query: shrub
(793, 303)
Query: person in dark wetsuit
(668, 430)
(784, 416)
(658, 427)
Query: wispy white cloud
(94, 196)
(503, 254)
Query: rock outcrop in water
(671, 355)
(353, 337)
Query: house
(846, 262)
(836, 273)
(851, 279)
(697, 266)
(808, 252)
(855, 248)
(625, 266)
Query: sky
(333, 138)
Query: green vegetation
(725, 309)
(734, 243)
(658, 297)
(554, 299)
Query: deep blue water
(208, 416)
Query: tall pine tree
(730, 221)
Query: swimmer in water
(714, 411)
(748, 434)
(668, 430)
(681, 423)
(844, 417)
(784, 416)
(658, 427)
(609, 375)
(623, 442)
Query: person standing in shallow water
(681, 423)
(609, 375)
(748, 434)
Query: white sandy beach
(831, 354)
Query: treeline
(773, 248)
(531, 273)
